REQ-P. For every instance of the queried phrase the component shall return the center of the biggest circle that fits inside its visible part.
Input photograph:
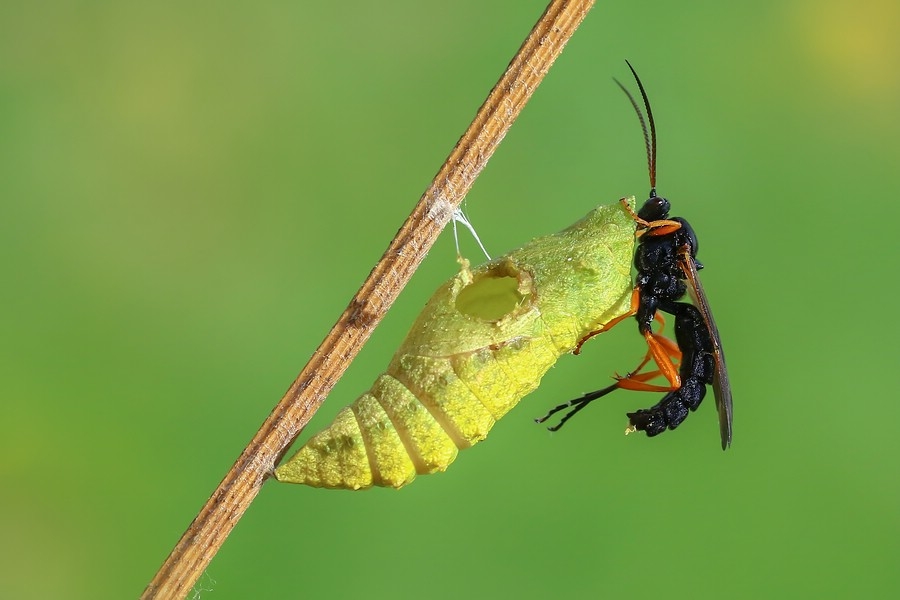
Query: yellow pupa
(482, 342)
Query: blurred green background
(191, 195)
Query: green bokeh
(189, 196)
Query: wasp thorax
(500, 291)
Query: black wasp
(667, 268)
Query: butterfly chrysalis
(482, 342)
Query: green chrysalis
(482, 342)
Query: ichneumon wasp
(667, 268)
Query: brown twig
(237, 490)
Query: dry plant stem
(212, 525)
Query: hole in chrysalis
(491, 295)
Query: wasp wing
(721, 386)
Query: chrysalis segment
(482, 342)
(429, 446)
(390, 462)
(449, 400)
(333, 458)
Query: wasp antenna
(640, 115)
(651, 143)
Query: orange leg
(660, 227)
(659, 318)
(662, 350)
(672, 350)
(637, 380)
(635, 301)
(663, 360)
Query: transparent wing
(721, 386)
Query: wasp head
(656, 208)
